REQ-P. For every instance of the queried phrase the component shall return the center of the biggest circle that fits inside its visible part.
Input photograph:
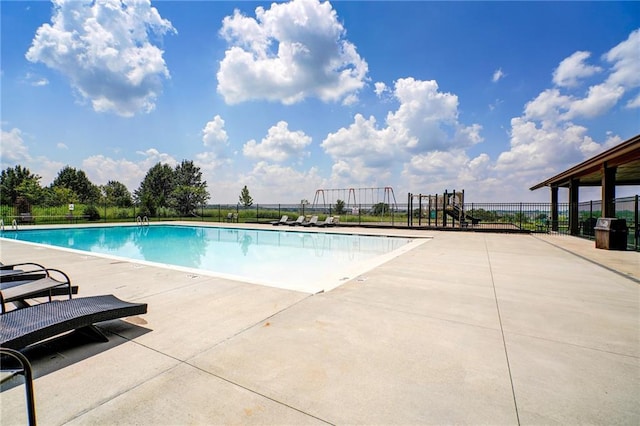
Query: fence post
(520, 216)
(635, 220)
(409, 210)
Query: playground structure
(435, 210)
(358, 200)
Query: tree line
(180, 188)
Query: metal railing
(501, 217)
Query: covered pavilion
(617, 166)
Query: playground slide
(454, 211)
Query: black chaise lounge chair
(29, 285)
(22, 327)
(7, 271)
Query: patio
(469, 328)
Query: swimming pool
(304, 261)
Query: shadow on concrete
(67, 349)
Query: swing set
(379, 201)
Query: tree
(380, 208)
(340, 207)
(57, 196)
(116, 194)
(156, 188)
(19, 181)
(245, 199)
(189, 190)
(78, 182)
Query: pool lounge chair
(9, 270)
(29, 285)
(327, 222)
(298, 221)
(23, 327)
(283, 220)
(312, 222)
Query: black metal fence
(500, 217)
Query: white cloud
(454, 170)
(600, 99)
(548, 106)
(573, 68)
(61, 145)
(101, 169)
(35, 80)
(626, 62)
(268, 182)
(495, 104)
(425, 121)
(547, 137)
(104, 49)
(153, 157)
(380, 88)
(215, 138)
(498, 75)
(13, 152)
(634, 103)
(279, 145)
(542, 150)
(350, 99)
(362, 139)
(12, 148)
(211, 161)
(214, 133)
(289, 52)
(357, 172)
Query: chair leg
(93, 333)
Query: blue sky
(290, 97)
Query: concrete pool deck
(470, 328)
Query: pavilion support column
(574, 224)
(554, 208)
(608, 191)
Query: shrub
(122, 214)
(91, 212)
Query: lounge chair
(298, 221)
(283, 220)
(23, 327)
(8, 270)
(22, 369)
(312, 222)
(29, 285)
(27, 218)
(327, 222)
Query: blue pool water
(307, 261)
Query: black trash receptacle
(611, 233)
